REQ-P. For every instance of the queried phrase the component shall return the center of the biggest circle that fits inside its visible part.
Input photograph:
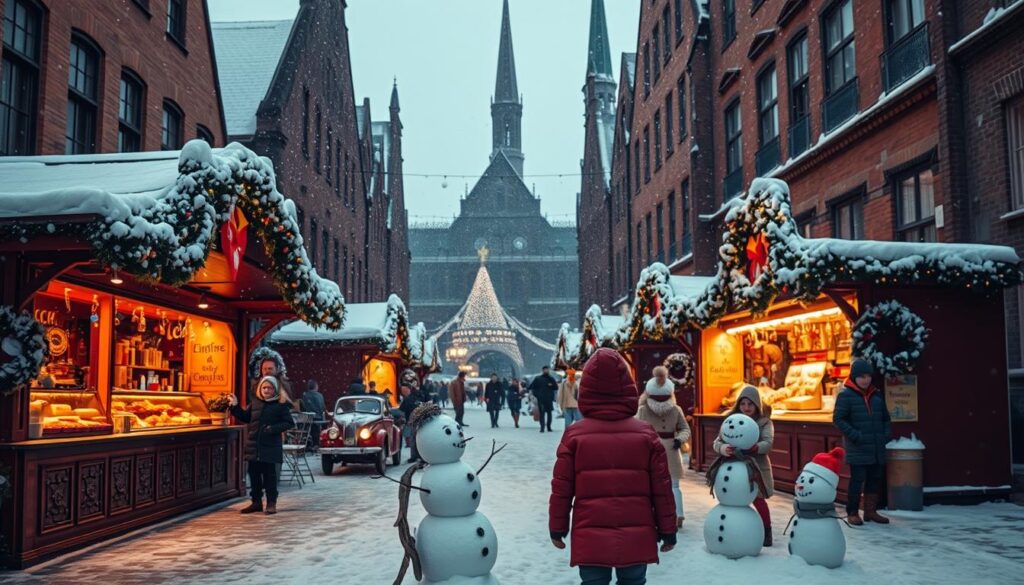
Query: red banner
(233, 237)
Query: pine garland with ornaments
(23, 348)
(894, 318)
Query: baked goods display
(146, 413)
(801, 392)
(64, 413)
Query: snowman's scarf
(806, 511)
(753, 471)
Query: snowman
(815, 534)
(733, 528)
(455, 543)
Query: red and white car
(361, 430)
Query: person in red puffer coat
(612, 474)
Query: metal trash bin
(904, 474)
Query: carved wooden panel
(186, 470)
(220, 463)
(92, 495)
(120, 484)
(145, 480)
(165, 476)
(55, 506)
(202, 467)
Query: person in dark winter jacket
(611, 475)
(863, 417)
(410, 400)
(356, 388)
(494, 394)
(266, 418)
(544, 387)
(514, 399)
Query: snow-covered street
(339, 530)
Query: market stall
(376, 344)
(120, 323)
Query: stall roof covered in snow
(363, 322)
(247, 57)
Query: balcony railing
(733, 184)
(906, 57)
(767, 157)
(840, 106)
(799, 136)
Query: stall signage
(722, 359)
(210, 358)
(901, 397)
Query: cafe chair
(296, 467)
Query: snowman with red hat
(815, 534)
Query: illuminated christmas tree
(483, 326)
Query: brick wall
(593, 215)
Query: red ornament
(656, 310)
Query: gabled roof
(248, 54)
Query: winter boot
(271, 508)
(854, 518)
(255, 506)
(871, 510)
(767, 538)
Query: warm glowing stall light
(784, 320)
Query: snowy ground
(339, 531)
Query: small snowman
(815, 534)
(733, 528)
(454, 543)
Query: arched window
(171, 125)
(19, 99)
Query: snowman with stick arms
(815, 534)
(733, 528)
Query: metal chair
(295, 445)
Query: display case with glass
(159, 410)
(149, 347)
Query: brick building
(82, 77)
(289, 95)
(989, 66)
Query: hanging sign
(901, 397)
(233, 237)
(757, 255)
(211, 358)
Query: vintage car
(361, 430)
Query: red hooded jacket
(612, 474)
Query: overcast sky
(444, 54)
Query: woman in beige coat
(659, 409)
(749, 403)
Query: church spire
(600, 58)
(506, 105)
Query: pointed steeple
(505, 87)
(600, 57)
(394, 96)
(506, 107)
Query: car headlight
(364, 434)
(333, 433)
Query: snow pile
(906, 443)
(379, 323)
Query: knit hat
(861, 367)
(273, 382)
(826, 465)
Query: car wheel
(381, 462)
(328, 464)
(396, 459)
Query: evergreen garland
(23, 349)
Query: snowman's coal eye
(741, 422)
(810, 480)
(447, 431)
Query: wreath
(684, 362)
(23, 348)
(890, 316)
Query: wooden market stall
(376, 344)
(119, 323)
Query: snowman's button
(475, 494)
(727, 478)
(486, 551)
(723, 516)
(725, 489)
(721, 527)
(720, 539)
(792, 533)
(795, 522)
(728, 467)
(470, 476)
(480, 531)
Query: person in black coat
(863, 417)
(544, 387)
(514, 399)
(266, 417)
(410, 400)
(495, 396)
(356, 388)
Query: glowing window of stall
(384, 374)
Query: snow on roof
(690, 286)
(248, 54)
(892, 251)
(363, 322)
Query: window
(840, 64)
(325, 249)
(670, 144)
(176, 20)
(647, 154)
(733, 137)
(344, 270)
(684, 204)
(767, 106)
(650, 236)
(83, 96)
(19, 88)
(639, 246)
(657, 140)
(679, 21)
(803, 224)
(728, 22)
(300, 216)
(656, 56)
(666, 41)
(681, 99)
(1015, 145)
(329, 162)
(629, 171)
(129, 113)
(203, 133)
(316, 140)
(170, 131)
(647, 69)
(848, 219)
(661, 232)
(305, 122)
(348, 179)
(337, 168)
(799, 99)
(672, 225)
(636, 164)
(312, 240)
(915, 197)
(904, 17)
